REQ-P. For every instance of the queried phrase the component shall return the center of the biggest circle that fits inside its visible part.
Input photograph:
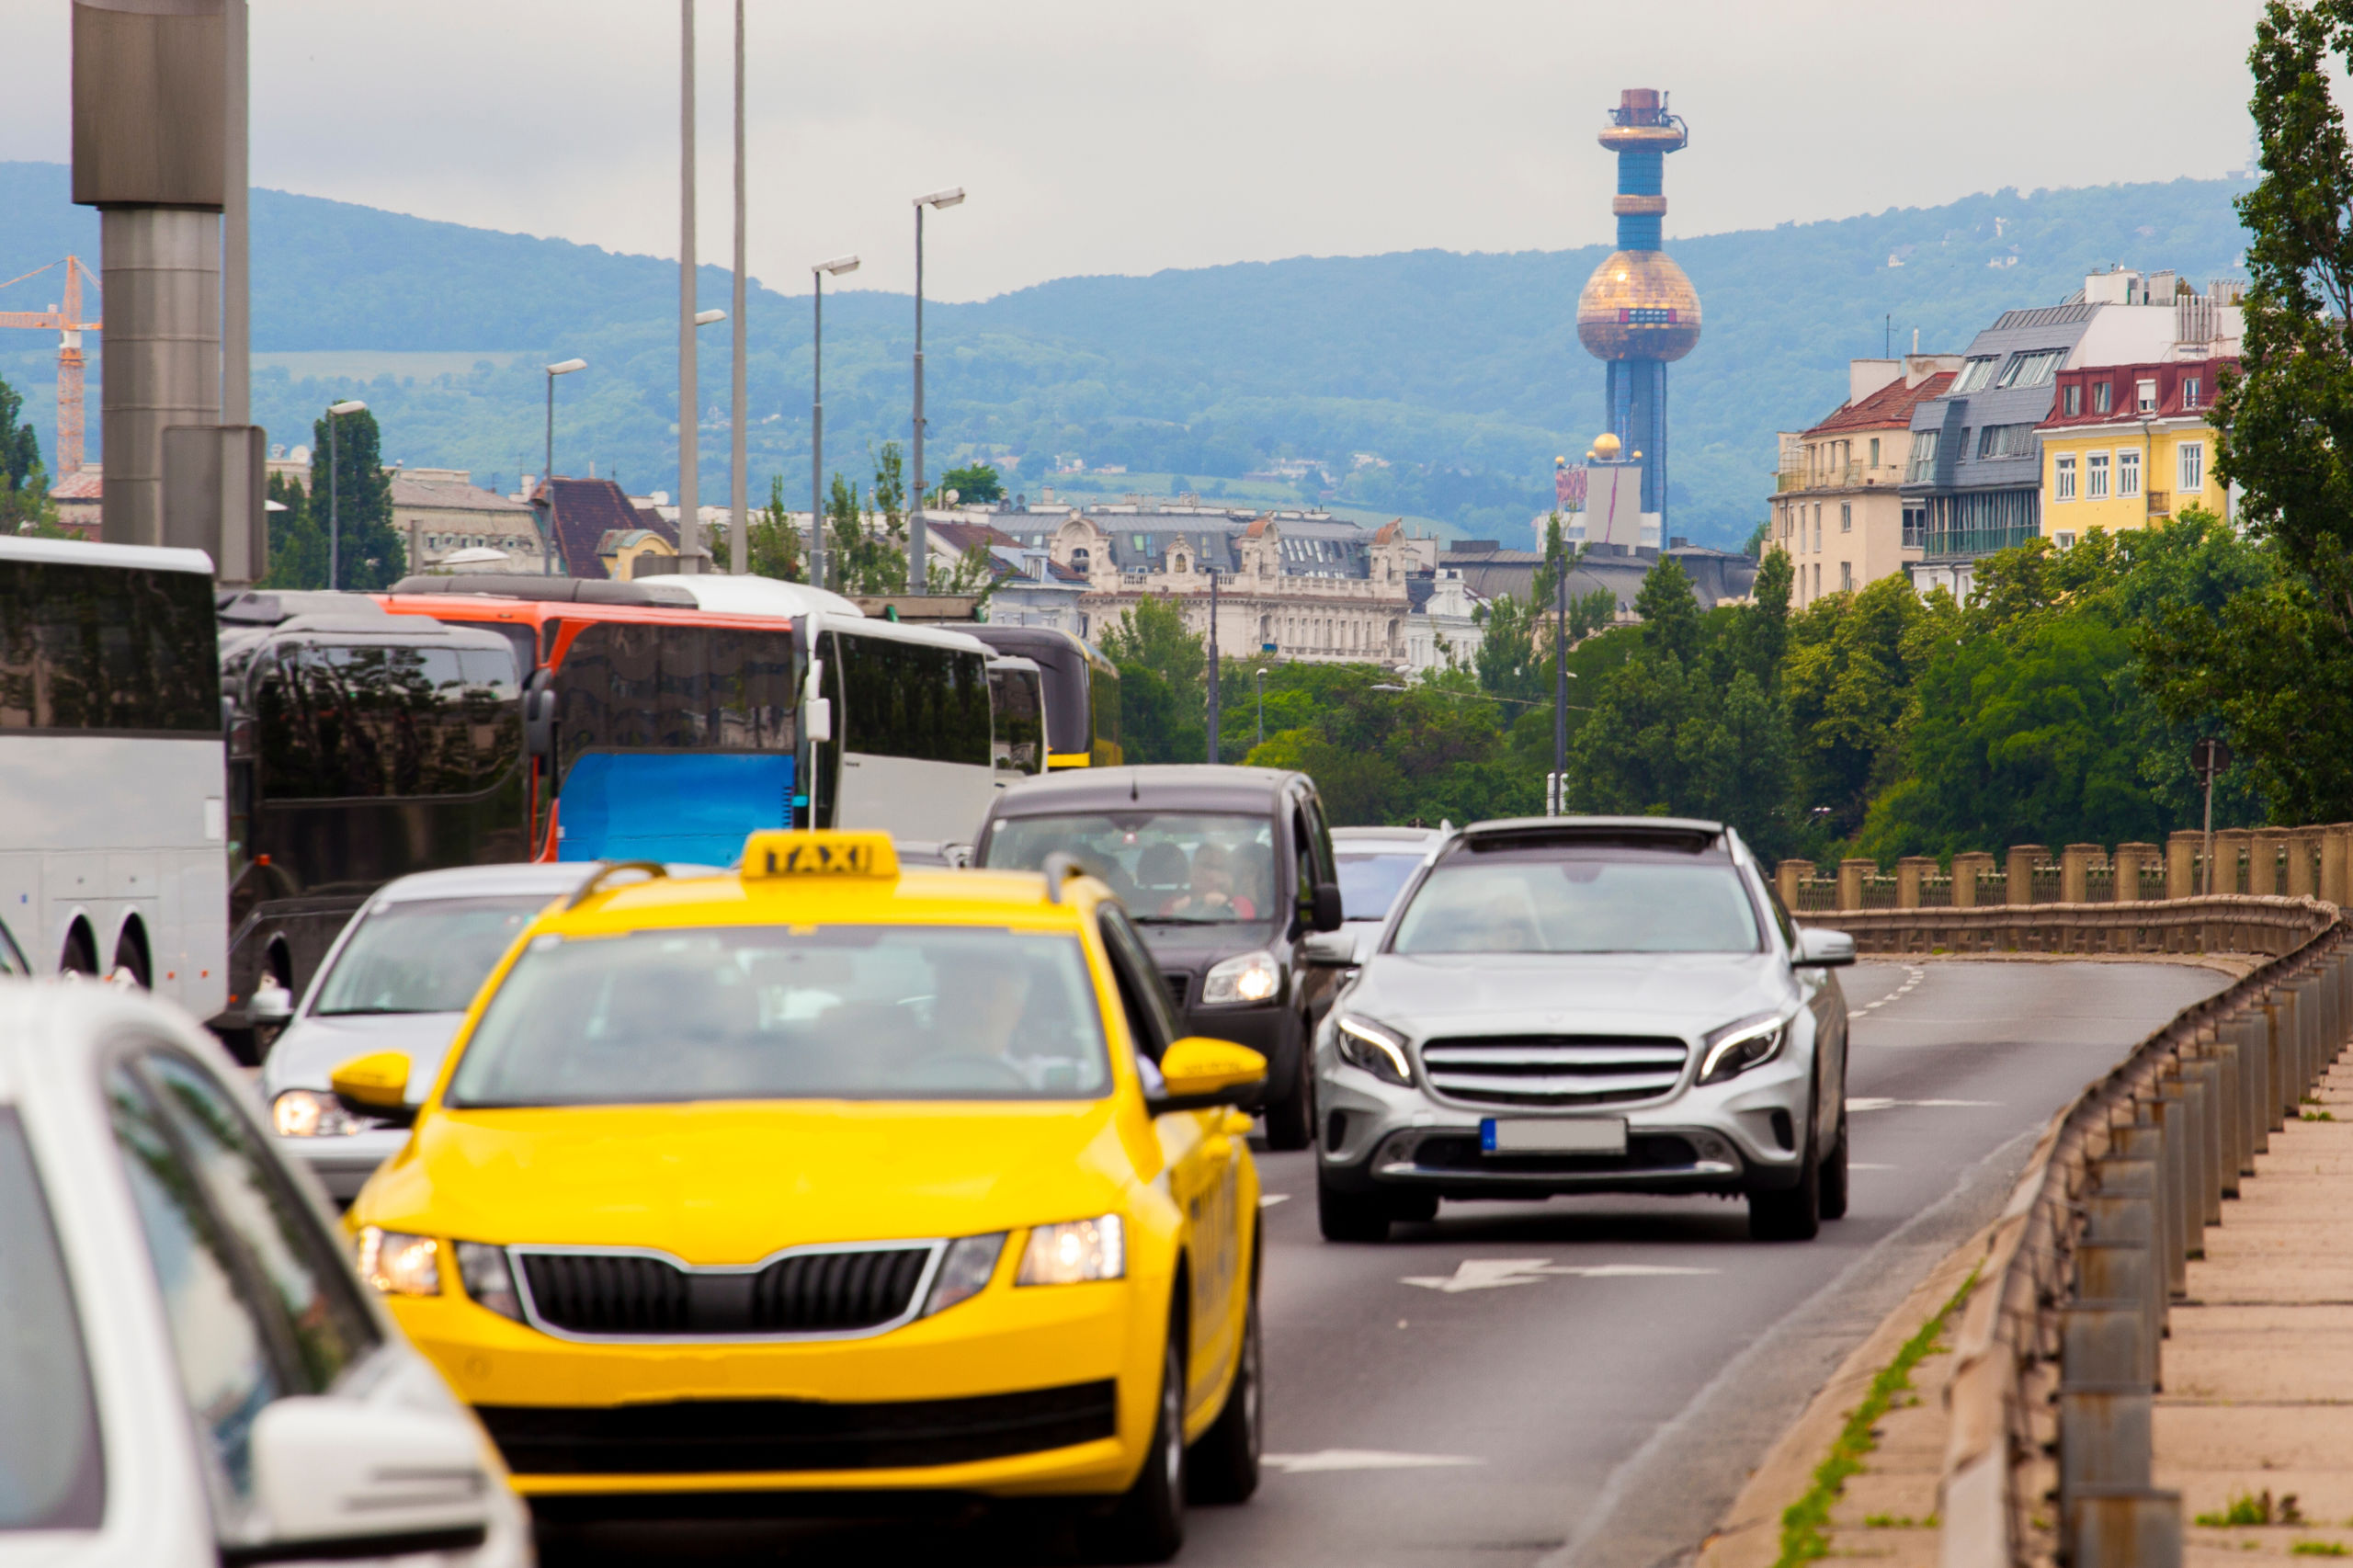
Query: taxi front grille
(1553, 1070)
(725, 1437)
(634, 1295)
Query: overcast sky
(1126, 137)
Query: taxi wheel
(1223, 1466)
(1147, 1524)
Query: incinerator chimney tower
(1638, 311)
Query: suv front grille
(1180, 983)
(1553, 1069)
(629, 1295)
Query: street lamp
(1261, 673)
(704, 318)
(336, 411)
(824, 269)
(918, 541)
(547, 473)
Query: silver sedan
(1586, 1004)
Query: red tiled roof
(961, 536)
(586, 511)
(1890, 408)
(2122, 381)
(86, 485)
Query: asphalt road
(1470, 1394)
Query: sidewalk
(2258, 1371)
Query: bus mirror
(240, 738)
(816, 683)
(820, 717)
(538, 722)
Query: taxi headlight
(964, 1272)
(398, 1264)
(311, 1113)
(1376, 1048)
(1248, 977)
(1735, 1047)
(488, 1279)
(1075, 1252)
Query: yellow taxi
(827, 1176)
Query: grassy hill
(1464, 371)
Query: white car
(1376, 866)
(190, 1373)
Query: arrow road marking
(1268, 1200)
(1495, 1273)
(1360, 1459)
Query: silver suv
(1585, 1004)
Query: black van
(1226, 870)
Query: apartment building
(1838, 508)
(2128, 445)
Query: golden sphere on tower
(1605, 447)
(1638, 305)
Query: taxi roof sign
(779, 853)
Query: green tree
(869, 554)
(773, 543)
(364, 542)
(974, 484)
(1848, 675)
(298, 544)
(25, 505)
(1162, 693)
(1670, 611)
(1507, 660)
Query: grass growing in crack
(1802, 1535)
(2256, 1508)
(2317, 1548)
(2316, 1116)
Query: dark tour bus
(363, 746)
(1081, 693)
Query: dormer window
(2102, 393)
(2070, 400)
(2189, 391)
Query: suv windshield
(1370, 881)
(755, 1013)
(1578, 900)
(428, 956)
(1168, 868)
(51, 1476)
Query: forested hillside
(1462, 372)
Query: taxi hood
(733, 1182)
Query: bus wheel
(131, 961)
(81, 954)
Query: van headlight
(312, 1113)
(1376, 1048)
(1248, 977)
(1735, 1047)
(1075, 1252)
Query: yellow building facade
(2129, 445)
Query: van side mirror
(1328, 911)
(375, 1085)
(1824, 949)
(354, 1478)
(270, 1003)
(1329, 949)
(1198, 1073)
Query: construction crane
(69, 325)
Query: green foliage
(867, 549)
(1427, 753)
(25, 505)
(358, 525)
(1851, 660)
(1163, 701)
(2255, 1508)
(298, 544)
(974, 484)
(772, 543)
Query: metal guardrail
(2048, 1441)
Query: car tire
(1793, 1213)
(1290, 1117)
(1223, 1466)
(1833, 1176)
(1350, 1215)
(1147, 1523)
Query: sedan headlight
(488, 1279)
(1735, 1047)
(400, 1265)
(1376, 1048)
(964, 1272)
(1076, 1253)
(313, 1113)
(1249, 977)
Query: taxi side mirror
(1198, 1073)
(375, 1085)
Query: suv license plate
(1528, 1135)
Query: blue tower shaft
(1638, 419)
(1641, 174)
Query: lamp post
(1214, 671)
(1554, 807)
(1261, 673)
(691, 553)
(336, 411)
(690, 390)
(918, 541)
(818, 273)
(547, 473)
(738, 547)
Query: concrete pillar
(1785, 879)
(2182, 850)
(160, 268)
(2075, 863)
(2022, 860)
(1851, 875)
(2130, 859)
(1967, 867)
(2263, 861)
(2123, 1528)
(1909, 871)
(2303, 849)
(2335, 840)
(2229, 848)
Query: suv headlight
(1075, 1252)
(313, 1113)
(1735, 1047)
(399, 1265)
(1376, 1048)
(1249, 977)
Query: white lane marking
(1361, 1459)
(1495, 1273)
(1916, 975)
(1268, 1200)
(1876, 1102)
(1857, 1165)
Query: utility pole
(1213, 692)
(918, 536)
(739, 547)
(690, 549)
(1557, 805)
(2207, 758)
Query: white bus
(113, 853)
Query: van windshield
(1168, 868)
(1579, 901)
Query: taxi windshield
(761, 1013)
(1168, 868)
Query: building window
(1817, 579)
(2101, 392)
(1923, 457)
(1975, 375)
(1846, 517)
(2095, 476)
(2192, 457)
(1846, 577)
(1817, 527)
(1916, 527)
(2063, 538)
(2063, 478)
(2189, 391)
(2071, 399)
(2005, 441)
(2145, 396)
(1874, 451)
(2127, 474)
(2033, 369)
